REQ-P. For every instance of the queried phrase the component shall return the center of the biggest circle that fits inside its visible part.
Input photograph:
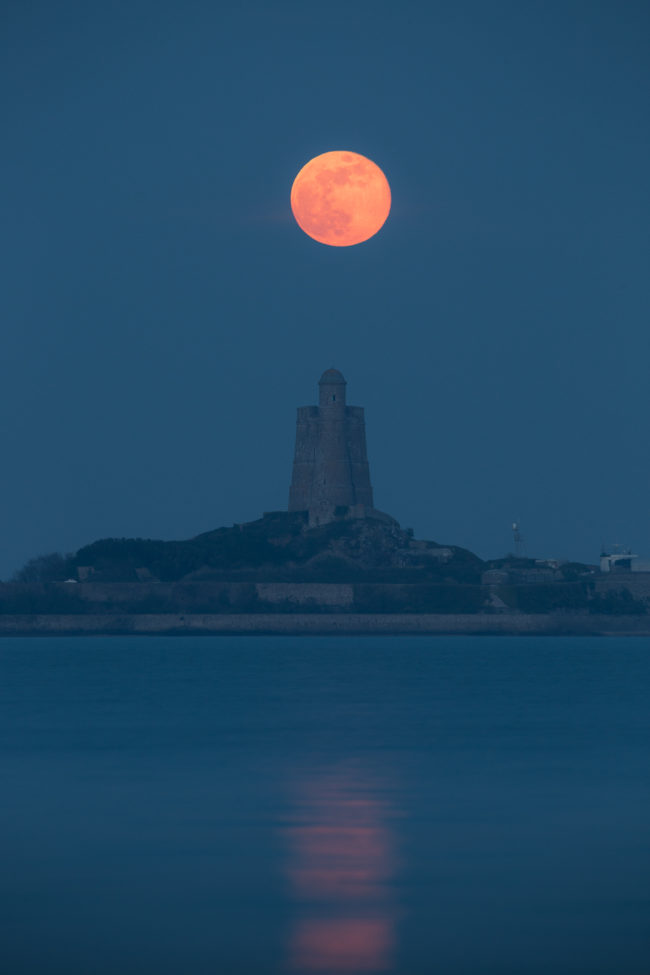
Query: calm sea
(325, 805)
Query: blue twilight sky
(163, 315)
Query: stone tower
(330, 467)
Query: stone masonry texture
(330, 468)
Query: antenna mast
(520, 545)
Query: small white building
(623, 562)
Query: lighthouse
(331, 477)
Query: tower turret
(331, 389)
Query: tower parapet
(331, 475)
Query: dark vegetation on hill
(277, 547)
(217, 572)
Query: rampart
(235, 597)
(381, 598)
(636, 583)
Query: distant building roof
(332, 376)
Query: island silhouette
(331, 554)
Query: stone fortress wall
(636, 583)
(212, 597)
(279, 598)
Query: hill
(277, 547)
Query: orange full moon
(340, 198)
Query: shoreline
(322, 624)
